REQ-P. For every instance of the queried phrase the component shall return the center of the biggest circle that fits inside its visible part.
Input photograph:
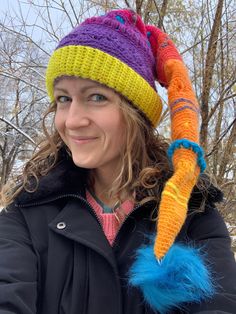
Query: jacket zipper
(84, 201)
(98, 219)
(124, 221)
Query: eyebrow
(82, 90)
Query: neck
(103, 180)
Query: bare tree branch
(159, 14)
(127, 3)
(208, 75)
(30, 40)
(20, 78)
(18, 130)
(221, 138)
(213, 109)
(73, 9)
(162, 13)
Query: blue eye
(62, 99)
(98, 98)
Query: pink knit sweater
(109, 222)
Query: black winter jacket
(55, 258)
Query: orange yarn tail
(174, 201)
(175, 196)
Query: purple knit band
(122, 41)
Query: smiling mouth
(83, 140)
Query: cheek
(117, 130)
(58, 121)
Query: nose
(77, 115)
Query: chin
(86, 165)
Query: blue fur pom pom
(181, 276)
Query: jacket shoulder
(203, 214)
(204, 195)
(13, 225)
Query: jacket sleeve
(209, 231)
(18, 265)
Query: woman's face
(89, 121)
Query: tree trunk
(139, 4)
(208, 75)
(162, 13)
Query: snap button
(61, 225)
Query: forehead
(62, 80)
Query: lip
(82, 139)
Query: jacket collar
(64, 178)
(67, 178)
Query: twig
(127, 3)
(18, 130)
(159, 14)
(26, 36)
(22, 80)
(222, 136)
(72, 7)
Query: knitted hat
(114, 51)
(120, 51)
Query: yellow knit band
(94, 64)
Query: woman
(101, 222)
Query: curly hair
(144, 162)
